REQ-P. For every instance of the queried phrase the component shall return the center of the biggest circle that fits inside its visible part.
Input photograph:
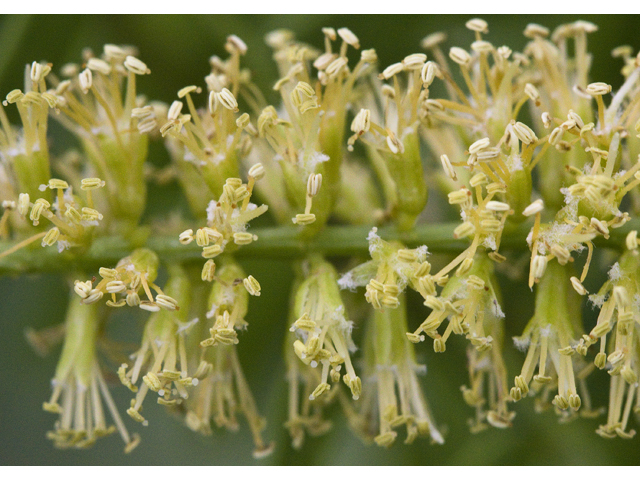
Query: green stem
(276, 242)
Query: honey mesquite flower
(80, 392)
(97, 105)
(161, 362)
(391, 392)
(323, 331)
(550, 340)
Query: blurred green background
(177, 50)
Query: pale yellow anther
(93, 296)
(495, 206)
(114, 52)
(458, 197)
(407, 255)
(600, 329)
(598, 88)
(149, 306)
(414, 338)
(55, 183)
(86, 80)
(491, 225)
(228, 100)
(536, 207)
(330, 33)
(433, 105)
(39, 71)
(82, 289)
(243, 238)
(23, 204)
(90, 214)
(477, 25)
(478, 179)
(202, 238)
(208, 271)
(236, 44)
(532, 92)
(212, 234)
(314, 182)
(252, 285)
(241, 193)
(414, 61)
(38, 208)
(186, 237)
(574, 401)
(152, 381)
(243, 120)
(337, 66)
(631, 240)
(465, 266)
(464, 230)
(555, 136)
(91, 183)
(538, 266)
(391, 71)
(120, 303)
(304, 219)
(257, 171)
(482, 46)
(211, 251)
(99, 65)
(616, 357)
(600, 226)
(51, 237)
(369, 56)
(429, 72)
(516, 394)
(524, 133)
(624, 51)
(324, 60)
(577, 119)
(136, 66)
(479, 145)
(52, 100)
(447, 167)
(361, 122)
(349, 37)
(135, 414)
(629, 375)
(433, 40)
(577, 286)
(320, 389)
(434, 303)
(427, 285)
(475, 282)
(175, 110)
(13, 96)
(391, 289)
(116, 286)
(534, 30)
(167, 302)
(304, 323)
(460, 56)
(601, 360)
(561, 402)
(133, 299)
